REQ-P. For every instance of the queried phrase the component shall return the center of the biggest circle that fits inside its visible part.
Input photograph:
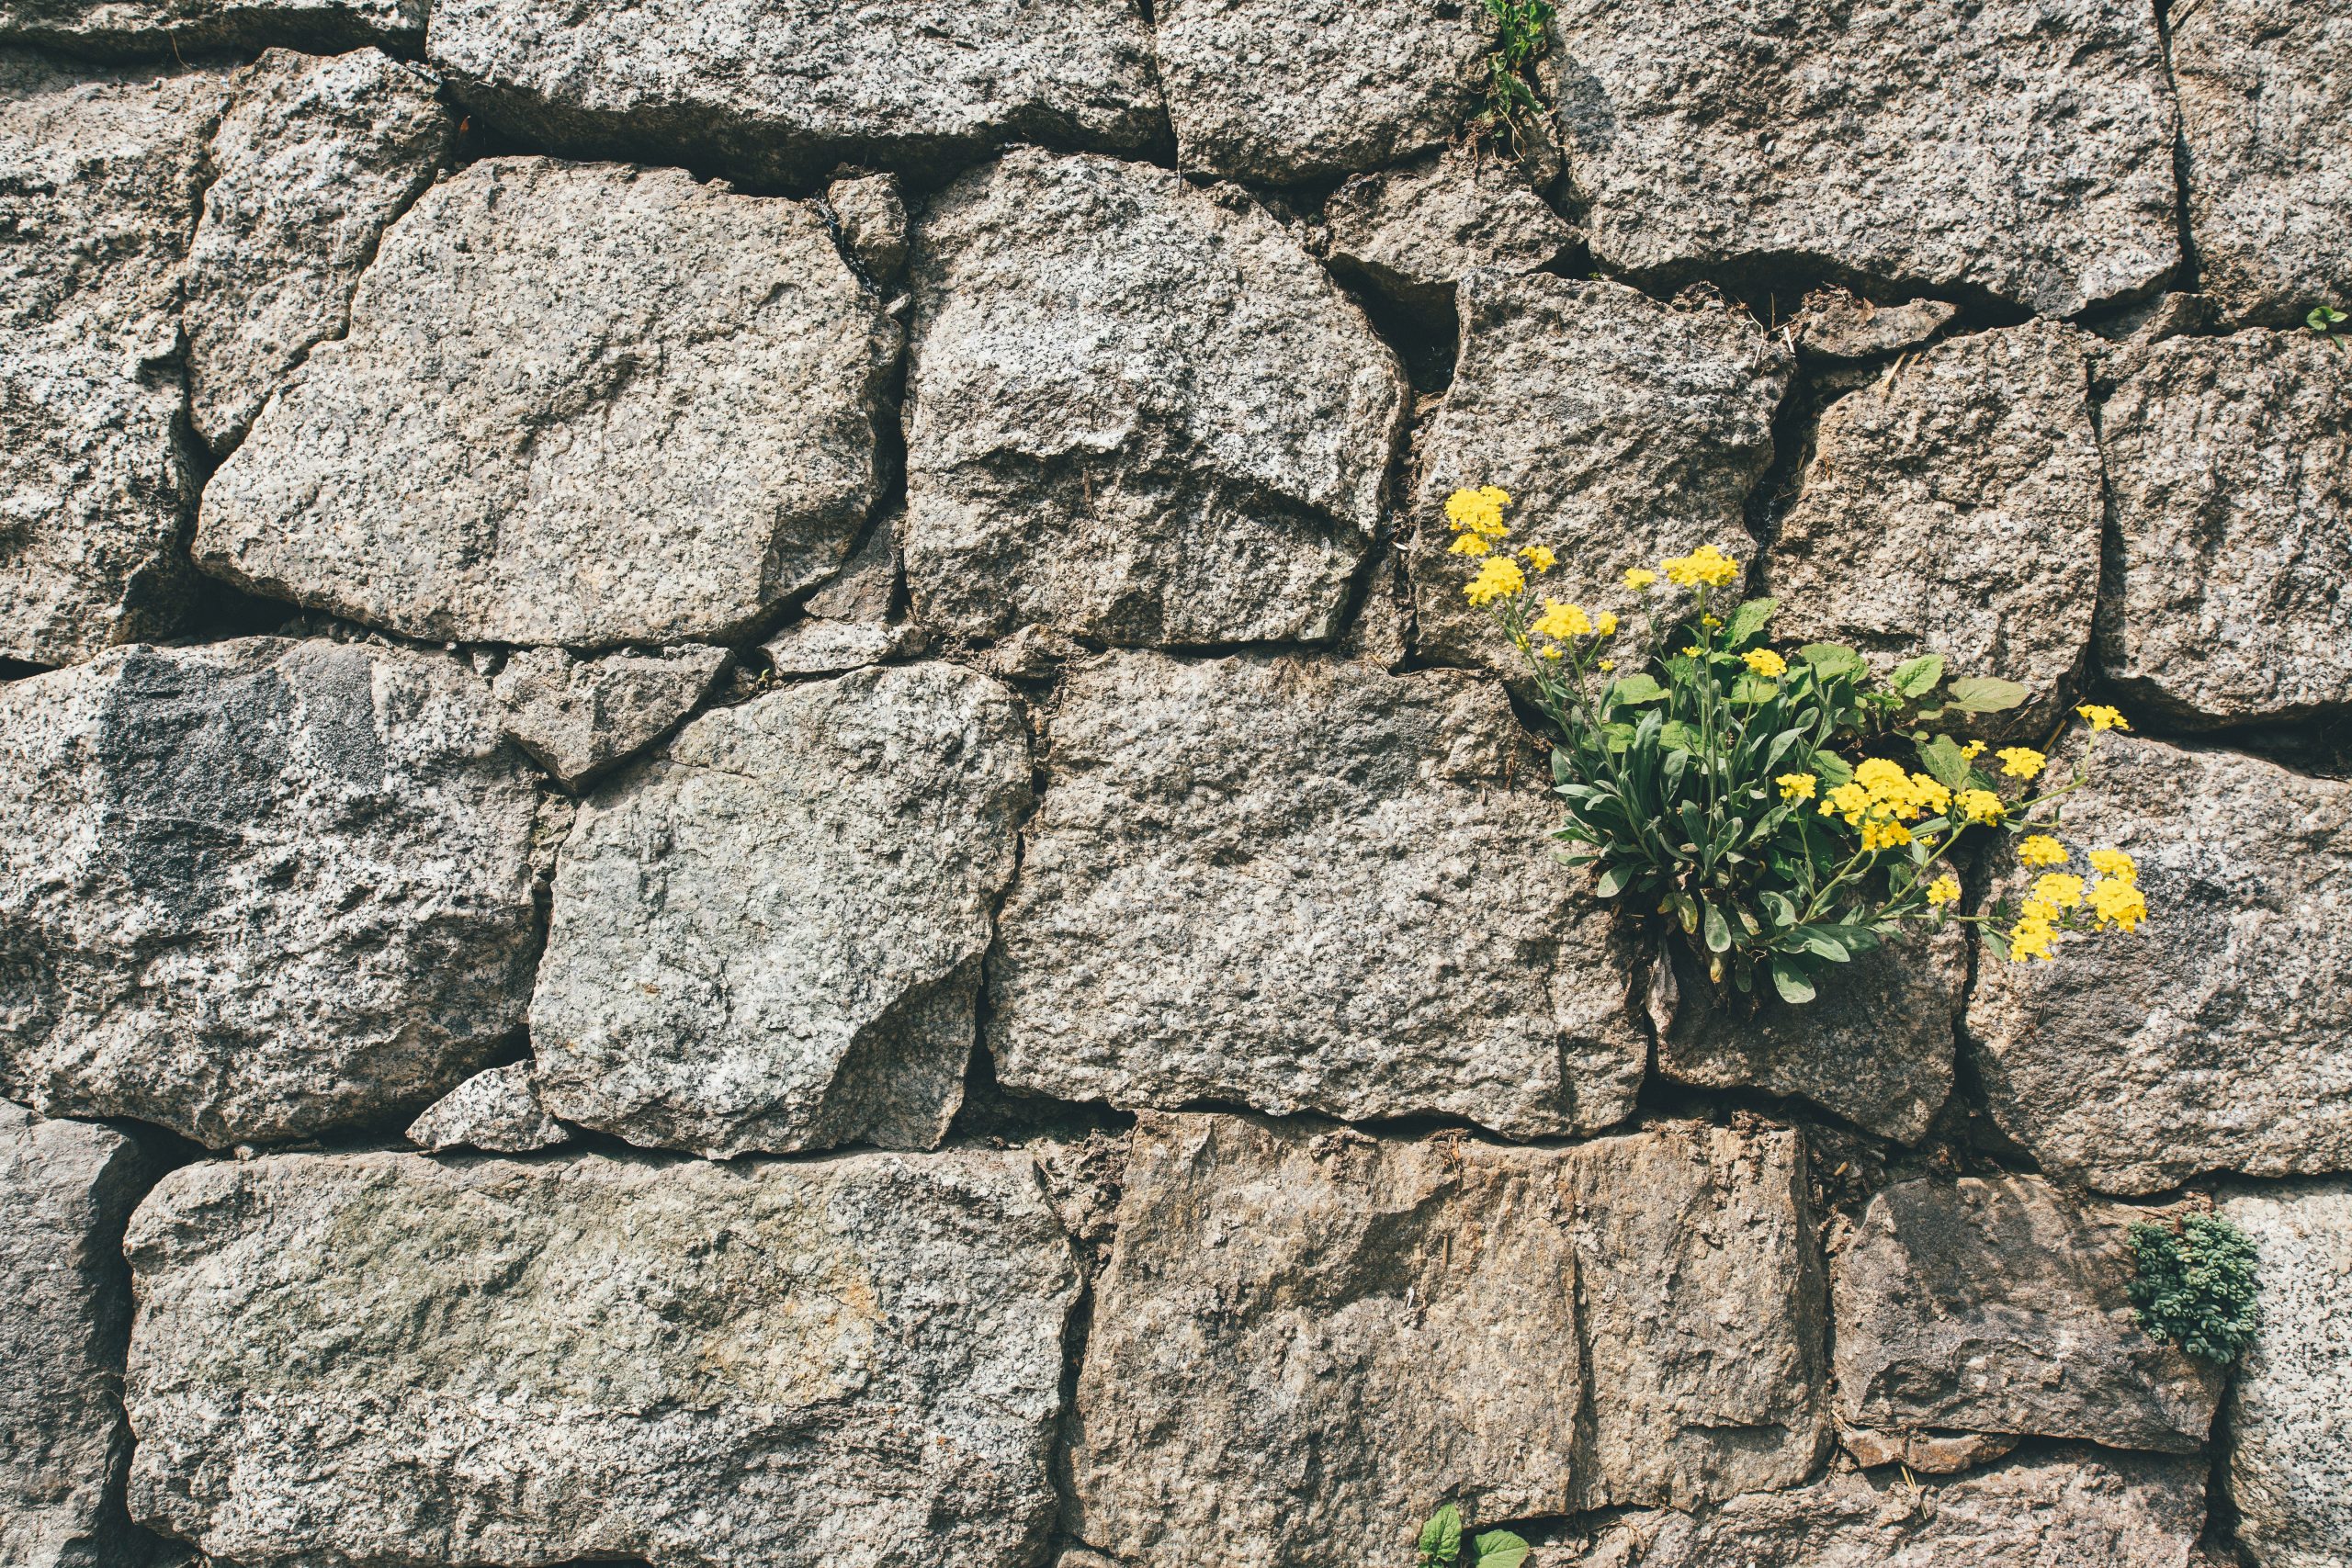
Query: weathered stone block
(1413, 232)
(584, 404)
(100, 177)
(579, 717)
(386, 1357)
(1277, 91)
(258, 889)
(2211, 1039)
(1874, 1048)
(1835, 325)
(782, 90)
(2000, 1305)
(1624, 430)
(141, 28)
(1955, 507)
(66, 1191)
(314, 159)
(2016, 149)
(2070, 1507)
(1306, 1340)
(769, 936)
(1305, 885)
(2289, 1466)
(872, 215)
(497, 1111)
(2264, 103)
(1139, 411)
(2229, 465)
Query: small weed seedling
(1441, 1545)
(2328, 322)
(2197, 1286)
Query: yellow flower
(1552, 651)
(2037, 924)
(1943, 891)
(1979, 806)
(1710, 622)
(2058, 890)
(2103, 716)
(1606, 665)
(1766, 662)
(1639, 579)
(2022, 762)
(1468, 545)
(1498, 578)
(1607, 625)
(1705, 567)
(1928, 795)
(1880, 777)
(2114, 863)
(1796, 786)
(2040, 849)
(1847, 800)
(1478, 510)
(1538, 558)
(1691, 651)
(2117, 903)
(1883, 833)
(1973, 750)
(1562, 621)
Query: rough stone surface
(100, 177)
(1412, 232)
(579, 717)
(1139, 411)
(769, 937)
(127, 28)
(2211, 1038)
(2017, 149)
(1999, 1305)
(2229, 465)
(1837, 326)
(385, 1357)
(1955, 507)
(1624, 430)
(313, 160)
(257, 888)
(1928, 1453)
(2264, 102)
(2068, 1508)
(67, 1189)
(2289, 1469)
(586, 404)
(1277, 91)
(782, 90)
(818, 646)
(1876, 1047)
(1306, 1340)
(497, 1111)
(872, 214)
(1305, 885)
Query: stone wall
(746, 822)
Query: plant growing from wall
(2328, 322)
(1753, 796)
(1522, 34)
(2197, 1287)
(1441, 1545)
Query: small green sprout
(2328, 322)
(2197, 1287)
(1441, 1545)
(1523, 32)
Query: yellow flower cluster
(1796, 786)
(2103, 717)
(1498, 577)
(1943, 891)
(1764, 662)
(1562, 621)
(1705, 567)
(1979, 807)
(1476, 516)
(2114, 896)
(2022, 762)
(1880, 799)
(1640, 578)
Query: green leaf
(1995, 943)
(1917, 677)
(1612, 881)
(1983, 694)
(1832, 659)
(1778, 906)
(1498, 1549)
(1564, 767)
(1441, 1544)
(1718, 931)
(1630, 690)
(1746, 621)
(1754, 689)
(1677, 736)
(1789, 979)
(1822, 942)
(1943, 762)
(1616, 736)
(1833, 769)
